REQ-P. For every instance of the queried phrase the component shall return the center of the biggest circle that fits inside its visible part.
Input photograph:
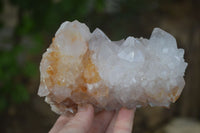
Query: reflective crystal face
(81, 67)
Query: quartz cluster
(81, 67)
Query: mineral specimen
(81, 67)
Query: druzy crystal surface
(82, 67)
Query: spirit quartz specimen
(81, 67)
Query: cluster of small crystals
(81, 67)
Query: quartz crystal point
(81, 67)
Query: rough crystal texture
(81, 67)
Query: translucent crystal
(81, 67)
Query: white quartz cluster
(111, 74)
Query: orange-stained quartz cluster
(173, 95)
(52, 57)
(90, 74)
